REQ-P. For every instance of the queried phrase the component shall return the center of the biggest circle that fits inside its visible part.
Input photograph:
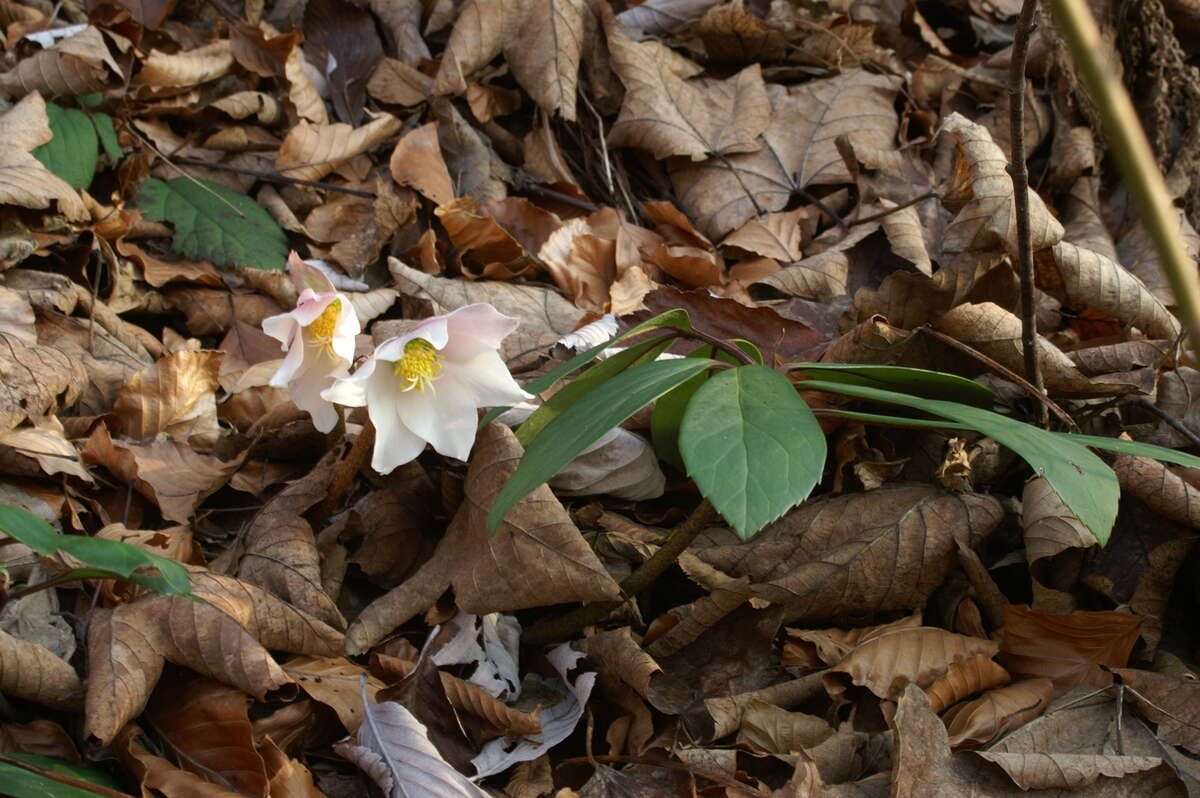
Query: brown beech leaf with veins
(774, 235)
(155, 773)
(488, 572)
(983, 197)
(312, 151)
(798, 149)
(73, 66)
(1067, 771)
(621, 656)
(972, 724)
(417, 162)
(35, 378)
(856, 554)
(886, 662)
(667, 115)
(341, 37)
(775, 730)
(206, 726)
(24, 181)
(544, 54)
(175, 396)
(1137, 253)
(188, 68)
(1050, 529)
(964, 678)
(1171, 703)
(335, 682)
(226, 636)
(34, 673)
(1068, 649)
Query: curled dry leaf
(798, 149)
(155, 773)
(1068, 649)
(337, 683)
(976, 723)
(1081, 278)
(33, 673)
(825, 274)
(188, 68)
(175, 396)
(986, 216)
(668, 115)
(74, 66)
(860, 553)
(621, 657)
(887, 662)
(964, 678)
(830, 646)
(312, 151)
(226, 636)
(775, 730)
(664, 16)
(42, 448)
(24, 181)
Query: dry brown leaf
(1123, 356)
(398, 83)
(1080, 278)
(664, 16)
(226, 636)
(304, 95)
(175, 396)
(830, 646)
(887, 662)
(544, 52)
(33, 673)
(775, 730)
(73, 66)
(825, 274)
(964, 678)
(155, 773)
(545, 316)
(40, 449)
(1069, 649)
(983, 198)
(312, 151)
(857, 554)
(732, 33)
(1138, 254)
(1172, 703)
(667, 115)
(394, 526)
(168, 473)
(24, 181)
(486, 249)
(289, 778)
(476, 170)
(997, 712)
(1066, 771)
(417, 162)
(1050, 527)
(337, 683)
(774, 235)
(622, 657)
(798, 149)
(582, 264)
(206, 726)
(690, 621)
(187, 68)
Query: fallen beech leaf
(887, 662)
(581, 263)
(24, 180)
(798, 149)
(1137, 253)
(1050, 528)
(175, 396)
(620, 656)
(1080, 278)
(1069, 649)
(417, 162)
(857, 554)
(312, 151)
(289, 778)
(964, 678)
(775, 730)
(830, 646)
(1066, 771)
(155, 773)
(301, 91)
(664, 16)
(997, 712)
(46, 446)
(775, 235)
(399, 83)
(207, 727)
(543, 52)
(33, 673)
(342, 37)
(824, 274)
(667, 115)
(188, 68)
(1172, 703)
(74, 66)
(983, 197)
(337, 683)
(226, 636)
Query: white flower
(425, 385)
(318, 337)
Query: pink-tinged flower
(426, 385)
(318, 337)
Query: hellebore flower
(318, 337)
(425, 385)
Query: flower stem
(344, 475)
(723, 345)
(566, 626)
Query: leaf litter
(826, 181)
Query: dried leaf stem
(1128, 144)
(1020, 178)
(568, 625)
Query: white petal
(395, 444)
(311, 305)
(282, 328)
(487, 379)
(307, 387)
(352, 391)
(442, 414)
(290, 365)
(477, 328)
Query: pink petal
(477, 328)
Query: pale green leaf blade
(214, 223)
(73, 152)
(20, 783)
(753, 446)
(918, 382)
(585, 422)
(1135, 448)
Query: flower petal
(308, 386)
(310, 305)
(486, 379)
(443, 414)
(395, 443)
(477, 328)
(292, 363)
(282, 328)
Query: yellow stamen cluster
(321, 330)
(420, 365)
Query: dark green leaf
(752, 445)
(108, 136)
(214, 223)
(918, 382)
(73, 152)
(1134, 447)
(20, 783)
(585, 422)
(1081, 479)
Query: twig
(1006, 372)
(718, 343)
(821, 206)
(275, 177)
(1020, 180)
(1128, 144)
(716, 778)
(62, 778)
(565, 626)
(344, 475)
(1174, 423)
(884, 214)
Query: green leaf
(108, 559)
(579, 387)
(73, 151)
(585, 422)
(676, 317)
(1134, 447)
(891, 421)
(753, 446)
(1081, 479)
(21, 783)
(90, 100)
(108, 136)
(918, 382)
(214, 223)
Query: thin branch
(884, 214)
(275, 177)
(1006, 372)
(565, 626)
(1128, 144)
(62, 778)
(1174, 423)
(1020, 180)
(718, 343)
